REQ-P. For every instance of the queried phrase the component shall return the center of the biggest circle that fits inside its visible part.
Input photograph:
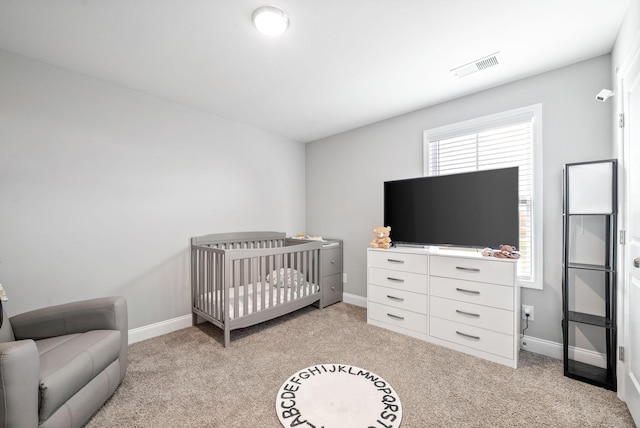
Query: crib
(242, 279)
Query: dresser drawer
(398, 317)
(399, 280)
(472, 269)
(497, 296)
(485, 317)
(473, 337)
(331, 289)
(398, 298)
(385, 259)
(331, 261)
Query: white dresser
(456, 299)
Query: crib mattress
(273, 295)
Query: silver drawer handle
(467, 291)
(333, 288)
(467, 313)
(468, 335)
(468, 269)
(333, 262)
(395, 261)
(396, 317)
(399, 299)
(395, 279)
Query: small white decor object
(338, 395)
(3, 294)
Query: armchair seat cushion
(69, 362)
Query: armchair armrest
(20, 380)
(105, 313)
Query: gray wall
(345, 172)
(102, 187)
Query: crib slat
(279, 275)
(201, 267)
(234, 282)
(271, 273)
(254, 282)
(287, 273)
(227, 281)
(219, 290)
(195, 295)
(213, 289)
(305, 278)
(310, 286)
(299, 274)
(207, 282)
(315, 269)
(217, 294)
(263, 281)
(240, 287)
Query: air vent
(477, 65)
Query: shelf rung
(589, 214)
(591, 374)
(586, 266)
(596, 320)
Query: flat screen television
(475, 209)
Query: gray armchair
(58, 365)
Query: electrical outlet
(344, 277)
(526, 309)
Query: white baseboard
(528, 343)
(354, 299)
(164, 327)
(554, 350)
(158, 329)
(590, 357)
(541, 346)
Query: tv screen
(475, 209)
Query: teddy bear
(382, 239)
(487, 252)
(507, 252)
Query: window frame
(505, 118)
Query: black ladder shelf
(590, 196)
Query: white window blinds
(496, 143)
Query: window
(502, 140)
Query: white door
(631, 270)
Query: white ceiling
(342, 63)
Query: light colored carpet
(187, 378)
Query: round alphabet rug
(338, 396)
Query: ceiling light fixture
(270, 20)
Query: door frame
(624, 74)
